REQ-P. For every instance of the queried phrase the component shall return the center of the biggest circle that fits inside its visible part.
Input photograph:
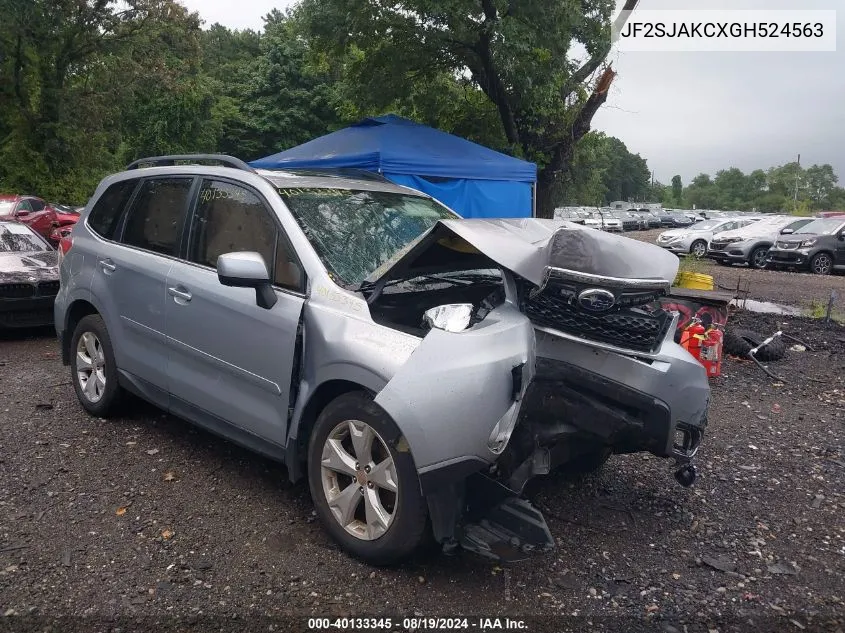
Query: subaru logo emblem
(596, 300)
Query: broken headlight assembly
(452, 317)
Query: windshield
(827, 226)
(18, 238)
(6, 207)
(354, 232)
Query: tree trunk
(566, 148)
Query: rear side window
(157, 214)
(105, 214)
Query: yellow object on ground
(694, 281)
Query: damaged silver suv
(417, 368)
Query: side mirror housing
(787, 232)
(247, 270)
(842, 237)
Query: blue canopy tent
(473, 180)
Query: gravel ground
(145, 522)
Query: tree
(518, 54)
(820, 183)
(677, 190)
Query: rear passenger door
(230, 360)
(130, 275)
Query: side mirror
(787, 232)
(247, 270)
(842, 237)
(20, 213)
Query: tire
(397, 535)
(95, 383)
(821, 264)
(738, 342)
(758, 257)
(698, 248)
(587, 462)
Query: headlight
(810, 242)
(452, 317)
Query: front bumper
(676, 247)
(791, 258)
(728, 253)
(28, 312)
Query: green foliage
(511, 60)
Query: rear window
(157, 215)
(106, 213)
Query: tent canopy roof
(394, 145)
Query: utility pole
(797, 173)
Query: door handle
(107, 266)
(184, 295)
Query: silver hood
(532, 249)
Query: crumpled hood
(29, 267)
(530, 247)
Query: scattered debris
(170, 476)
(152, 451)
(167, 533)
(45, 406)
(720, 563)
(782, 569)
(121, 511)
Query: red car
(41, 217)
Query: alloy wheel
(699, 249)
(822, 264)
(759, 258)
(359, 479)
(90, 365)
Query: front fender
(455, 387)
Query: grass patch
(818, 310)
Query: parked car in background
(37, 214)
(570, 215)
(594, 220)
(29, 277)
(625, 221)
(695, 238)
(412, 365)
(652, 220)
(750, 244)
(818, 246)
(641, 221)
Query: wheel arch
(303, 423)
(76, 311)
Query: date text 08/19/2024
(417, 624)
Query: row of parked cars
(632, 219)
(765, 241)
(30, 231)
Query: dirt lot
(145, 522)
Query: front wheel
(364, 482)
(821, 264)
(758, 257)
(698, 248)
(93, 370)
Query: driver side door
(230, 361)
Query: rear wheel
(364, 487)
(821, 264)
(698, 248)
(93, 370)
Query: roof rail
(336, 172)
(227, 161)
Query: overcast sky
(689, 113)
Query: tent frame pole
(534, 201)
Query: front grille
(632, 328)
(48, 288)
(783, 257)
(788, 246)
(16, 291)
(716, 246)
